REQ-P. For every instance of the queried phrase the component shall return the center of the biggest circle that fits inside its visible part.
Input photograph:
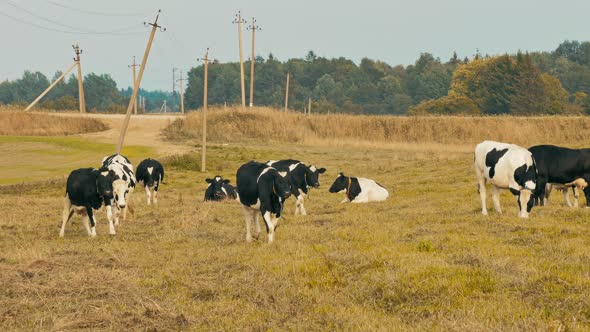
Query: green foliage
(453, 104)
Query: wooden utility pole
(252, 27)
(206, 61)
(138, 81)
(181, 80)
(134, 65)
(239, 21)
(78, 51)
(51, 86)
(287, 93)
(309, 106)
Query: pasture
(425, 259)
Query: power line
(93, 12)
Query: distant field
(268, 125)
(39, 124)
(423, 260)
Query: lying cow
(88, 189)
(505, 166)
(150, 173)
(123, 171)
(301, 177)
(576, 185)
(219, 189)
(262, 188)
(359, 190)
(560, 165)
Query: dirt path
(144, 130)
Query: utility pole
(51, 86)
(181, 80)
(205, 88)
(174, 69)
(252, 27)
(239, 21)
(78, 51)
(287, 93)
(137, 83)
(134, 65)
(164, 107)
(309, 106)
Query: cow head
(120, 190)
(340, 184)
(216, 184)
(104, 182)
(281, 185)
(525, 202)
(312, 175)
(526, 177)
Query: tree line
(556, 82)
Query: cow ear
(341, 174)
(226, 181)
(208, 180)
(321, 170)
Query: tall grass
(268, 125)
(36, 124)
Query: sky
(37, 34)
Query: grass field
(424, 259)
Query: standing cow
(265, 189)
(88, 189)
(219, 189)
(123, 171)
(150, 173)
(301, 178)
(506, 166)
(560, 165)
(359, 190)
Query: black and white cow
(301, 177)
(220, 189)
(265, 189)
(506, 166)
(123, 171)
(88, 189)
(359, 190)
(150, 173)
(560, 165)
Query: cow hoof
(61, 234)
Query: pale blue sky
(394, 31)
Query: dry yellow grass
(40, 124)
(267, 125)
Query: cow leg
(270, 226)
(110, 218)
(117, 215)
(576, 195)
(481, 189)
(148, 194)
(548, 189)
(90, 220)
(301, 200)
(496, 199)
(540, 194)
(248, 221)
(155, 194)
(257, 229)
(66, 215)
(566, 196)
(587, 194)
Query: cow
(88, 189)
(358, 190)
(576, 185)
(123, 171)
(560, 165)
(219, 189)
(505, 166)
(301, 178)
(150, 173)
(265, 189)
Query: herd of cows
(263, 188)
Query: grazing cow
(301, 177)
(359, 190)
(87, 189)
(123, 171)
(576, 185)
(560, 165)
(262, 188)
(219, 189)
(150, 173)
(505, 166)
